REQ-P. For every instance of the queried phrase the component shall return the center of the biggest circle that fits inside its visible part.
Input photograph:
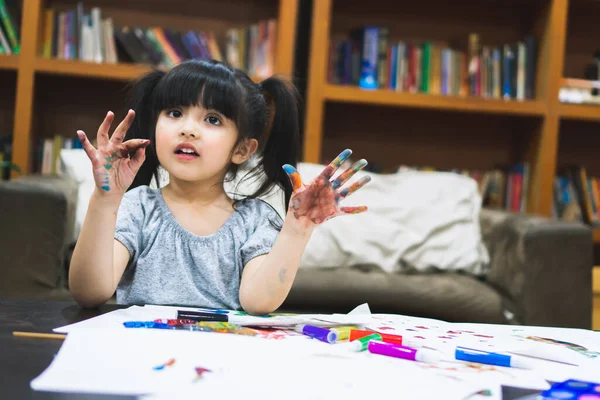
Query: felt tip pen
(316, 332)
(484, 357)
(343, 331)
(201, 316)
(385, 337)
(403, 352)
(361, 343)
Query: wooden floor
(596, 312)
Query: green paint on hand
(107, 166)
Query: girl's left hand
(319, 200)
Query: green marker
(361, 344)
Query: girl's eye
(213, 120)
(174, 113)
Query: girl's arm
(267, 280)
(99, 260)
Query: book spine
(370, 55)
(9, 28)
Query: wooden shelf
(121, 71)
(92, 70)
(9, 62)
(352, 94)
(596, 235)
(587, 112)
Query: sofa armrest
(543, 265)
(36, 226)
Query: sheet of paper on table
(135, 362)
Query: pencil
(40, 335)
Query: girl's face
(195, 144)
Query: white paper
(123, 361)
(114, 319)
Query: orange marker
(385, 337)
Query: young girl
(189, 243)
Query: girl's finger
(349, 173)
(121, 130)
(132, 145)
(353, 210)
(138, 158)
(354, 187)
(102, 135)
(335, 164)
(294, 176)
(87, 146)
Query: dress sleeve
(267, 224)
(130, 218)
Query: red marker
(385, 337)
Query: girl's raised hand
(113, 169)
(320, 200)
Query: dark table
(22, 359)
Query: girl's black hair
(267, 111)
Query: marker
(343, 332)
(385, 337)
(201, 316)
(361, 344)
(322, 334)
(578, 386)
(406, 353)
(484, 357)
(147, 324)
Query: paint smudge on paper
(169, 363)
(200, 371)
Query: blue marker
(484, 357)
(147, 324)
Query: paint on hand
(354, 210)
(169, 363)
(336, 163)
(294, 176)
(354, 187)
(319, 201)
(349, 173)
(106, 182)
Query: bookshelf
(55, 96)
(464, 131)
(9, 62)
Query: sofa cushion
(448, 296)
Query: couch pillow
(416, 221)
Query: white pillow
(416, 220)
(76, 164)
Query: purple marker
(322, 334)
(406, 353)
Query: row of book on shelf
(577, 195)
(10, 42)
(368, 58)
(75, 34)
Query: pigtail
(140, 100)
(282, 134)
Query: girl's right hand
(113, 169)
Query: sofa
(540, 269)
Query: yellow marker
(343, 332)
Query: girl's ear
(244, 151)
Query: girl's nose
(187, 134)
